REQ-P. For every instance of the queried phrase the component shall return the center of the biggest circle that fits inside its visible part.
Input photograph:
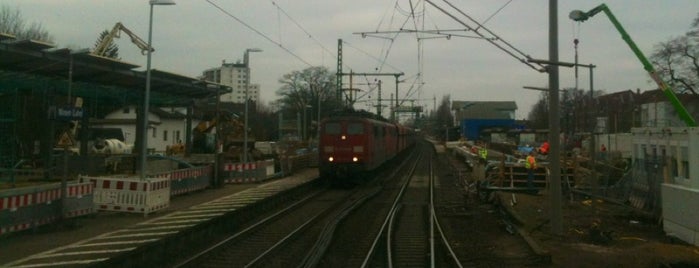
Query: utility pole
(378, 100)
(554, 124)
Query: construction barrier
(248, 172)
(29, 207)
(187, 180)
(129, 194)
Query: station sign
(66, 113)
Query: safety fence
(248, 172)
(501, 171)
(28, 207)
(130, 194)
(183, 181)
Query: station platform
(90, 240)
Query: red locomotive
(353, 144)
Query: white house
(165, 126)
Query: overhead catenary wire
(279, 43)
(494, 13)
(258, 32)
(507, 47)
(379, 60)
(303, 29)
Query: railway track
(297, 235)
(412, 236)
(414, 215)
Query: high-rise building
(234, 75)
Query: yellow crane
(101, 49)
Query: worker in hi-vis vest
(530, 165)
(483, 153)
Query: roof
(657, 95)
(484, 109)
(24, 60)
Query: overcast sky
(195, 35)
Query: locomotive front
(344, 148)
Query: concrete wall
(676, 151)
(680, 214)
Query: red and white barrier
(130, 194)
(240, 167)
(45, 196)
(247, 172)
(187, 180)
(28, 207)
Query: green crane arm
(578, 15)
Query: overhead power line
(304, 30)
(258, 32)
(492, 38)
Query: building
(475, 118)
(165, 126)
(483, 110)
(236, 76)
(657, 111)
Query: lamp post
(305, 121)
(246, 61)
(318, 122)
(146, 97)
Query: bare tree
(539, 115)
(677, 60)
(443, 115)
(11, 22)
(310, 90)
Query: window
(176, 136)
(684, 160)
(164, 135)
(673, 161)
(125, 110)
(355, 129)
(333, 128)
(155, 133)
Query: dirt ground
(597, 234)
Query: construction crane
(578, 15)
(101, 48)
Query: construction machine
(101, 48)
(578, 15)
(231, 135)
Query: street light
(246, 61)
(305, 122)
(146, 97)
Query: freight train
(355, 143)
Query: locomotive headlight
(355, 159)
(358, 149)
(330, 159)
(343, 137)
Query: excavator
(231, 135)
(101, 48)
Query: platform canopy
(36, 64)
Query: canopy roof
(36, 64)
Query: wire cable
(258, 32)
(303, 29)
(504, 48)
